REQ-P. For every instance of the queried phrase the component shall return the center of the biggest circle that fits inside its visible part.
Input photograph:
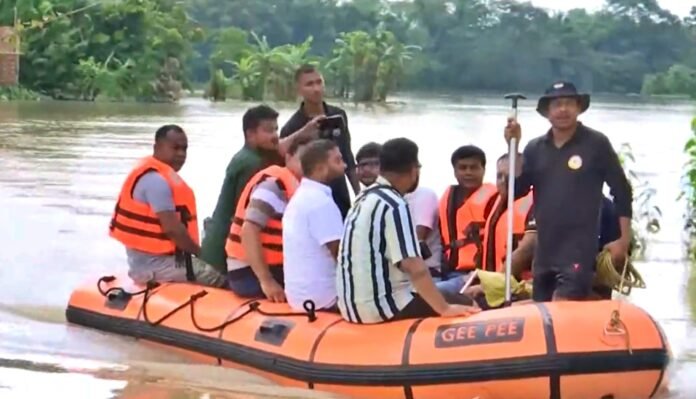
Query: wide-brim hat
(560, 90)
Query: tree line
(153, 50)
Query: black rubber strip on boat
(315, 346)
(663, 341)
(551, 349)
(406, 354)
(397, 375)
(229, 316)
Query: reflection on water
(62, 164)
(33, 376)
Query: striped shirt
(378, 234)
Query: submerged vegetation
(16, 93)
(689, 190)
(646, 215)
(154, 50)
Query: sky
(678, 7)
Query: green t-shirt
(242, 167)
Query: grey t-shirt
(269, 192)
(155, 191)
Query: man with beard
(379, 257)
(567, 168)
(312, 227)
(260, 127)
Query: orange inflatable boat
(575, 350)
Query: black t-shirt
(568, 184)
(609, 226)
(339, 187)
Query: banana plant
(249, 77)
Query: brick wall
(9, 75)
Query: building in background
(9, 56)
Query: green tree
(495, 45)
(76, 49)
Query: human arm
(264, 204)
(309, 130)
(353, 179)
(174, 229)
(622, 192)
(403, 250)
(155, 191)
(327, 229)
(423, 204)
(251, 241)
(348, 157)
(523, 256)
(523, 180)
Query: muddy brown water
(62, 163)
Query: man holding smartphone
(317, 119)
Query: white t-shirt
(424, 205)
(310, 221)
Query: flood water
(62, 164)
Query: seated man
(156, 218)
(423, 203)
(379, 258)
(312, 228)
(494, 240)
(260, 149)
(461, 213)
(495, 232)
(254, 245)
(367, 159)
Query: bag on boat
(493, 285)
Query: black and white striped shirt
(379, 232)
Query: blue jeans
(453, 284)
(244, 282)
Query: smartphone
(332, 122)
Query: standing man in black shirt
(307, 121)
(567, 168)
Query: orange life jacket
(272, 234)
(461, 241)
(495, 237)
(137, 226)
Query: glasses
(365, 164)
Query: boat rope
(607, 274)
(308, 305)
(616, 326)
(115, 293)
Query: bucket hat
(560, 90)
